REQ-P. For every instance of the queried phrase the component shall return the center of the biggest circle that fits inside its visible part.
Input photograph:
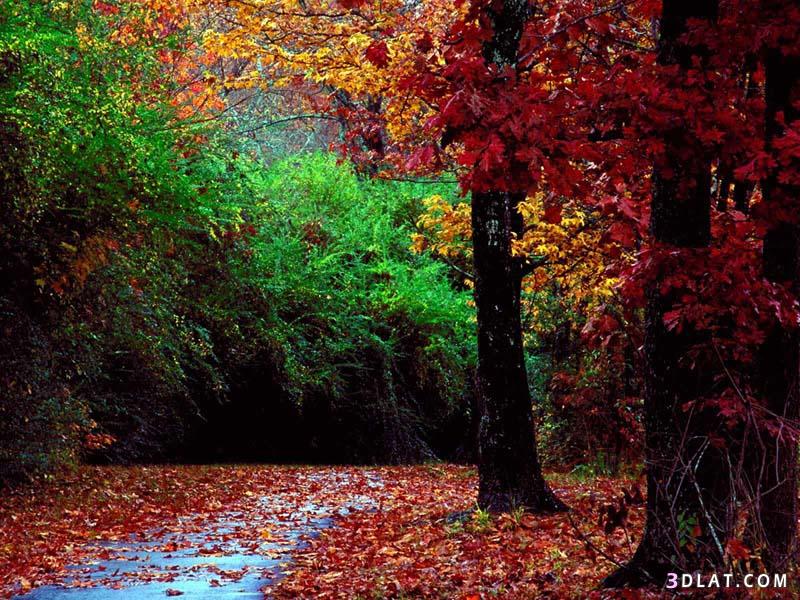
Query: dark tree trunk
(724, 187)
(741, 196)
(510, 474)
(686, 480)
(743, 190)
(778, 369)
(509, 471)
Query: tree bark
(510, 474)
(509, 471)
(778, 369)
(686, 481)
(743, 190)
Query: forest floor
(306, 532)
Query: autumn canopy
(536, 237)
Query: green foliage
(339, 245)
(481, 521)
(157, 285)
(76, 151)
(352, 319)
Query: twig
(592, 545)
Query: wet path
(232, 555)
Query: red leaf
(378, 54)
(106, 8)
(425, 43)
(552, 214)
(351, 4)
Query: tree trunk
(724, 187)
(778, 369)
(687, 495)
(743, 190)
(741, 196)
(510, 475)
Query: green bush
(191, 302)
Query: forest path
(221, 554)
(304, 532)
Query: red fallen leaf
(174, 592)
(433, 552)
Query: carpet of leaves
(46, 527)
(425, 539)
(413, 532)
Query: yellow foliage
(570, 253)
(325, 44)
